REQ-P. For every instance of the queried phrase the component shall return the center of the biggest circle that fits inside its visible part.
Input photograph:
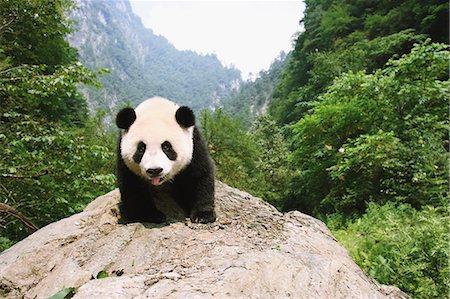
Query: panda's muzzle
(154, 174)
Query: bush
(50, 171)
(233, 150)
(376, 138)
(255, 161)
(399, 245)
(273, 160)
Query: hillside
(342, 36)
(253, 97)
(109, 35)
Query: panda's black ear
(125, 118)
(185, 117)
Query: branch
(30, 176)
(6, 24)
(11, 211)
(11, 69)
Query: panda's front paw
(156, 217)
(203, 216)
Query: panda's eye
(166, 146)
(168, 150)
(140, 150)
(141, 147)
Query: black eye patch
(168, 150)
(140, 150)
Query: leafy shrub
(273, 161)
(399, 245)
(255, 161)
(233, 150)
(379, 137)
(50, 171)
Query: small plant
(402, 246)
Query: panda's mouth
(156, 180)
(159, 179)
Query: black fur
(169, 151)
(193, 189)
(125, 118)
(185, 117)
(137, 157)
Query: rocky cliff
(251, 251)
(142, 64)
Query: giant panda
(159, 145)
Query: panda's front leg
(195, 194)
(140, 209)
(201, 197)
(137, 199)
(203, 211)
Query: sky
(246, 34)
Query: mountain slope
(253, 97)
(109, 35)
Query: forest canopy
(341, 36)
(54, 159)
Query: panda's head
(156, 141)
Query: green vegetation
(54, 159)
(64, 294)
(400, 245)
(378, 137)
(256, 161)
(341, 36)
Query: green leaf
(102, 274)
(64, 294)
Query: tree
(32, 32)
(49, 169)
(340, 36)
(379, 137)
(233, 150)
(38, 70)
(273, 161)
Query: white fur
(155, 123)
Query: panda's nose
(154, 171)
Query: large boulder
(251, 251)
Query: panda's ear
(185, 117)
(125, 118)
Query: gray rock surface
(251, 251)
